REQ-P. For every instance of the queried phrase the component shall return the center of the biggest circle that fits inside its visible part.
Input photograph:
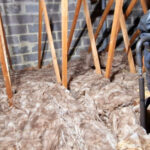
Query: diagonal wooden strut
(113, 38)
(77, 10)
(64, 36)
(144, 6)
(127, 43)
(42, 9)
(4, 65)
(126, 39)
(127, 13)
(90, 31)
(105, 13)
(102, 20)
(6, 46)
(92, 39)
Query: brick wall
(20, 19)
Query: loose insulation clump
(94, 114)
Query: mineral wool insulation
(94, 114)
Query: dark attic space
(74, 75)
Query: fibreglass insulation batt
(94, 114)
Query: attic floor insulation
(94, 114)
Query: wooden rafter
(4, 64)
(40, 34)
(103, 18)
(77, 10)
(113, 38)
(43, 10)
(64, 7)
(127, 43)
(127, 13)
(92, 39)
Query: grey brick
(47, 55)
(56, 26)
(54, 7)
(44, 37)
(81, 16)
(17, 29)
(35, 48)
(59, 35)
(57, 45)
(35, 28)
(30, 57)
(19, 50)
(32, 8)
(137, 13)
(16, 59)
(20, 19)
(71, 7)
(28, 38)
(54, 35)
(44, 47)
(12, 9)
(12, 40)
(129, 21)
(86, 41)
(6, 1)
(55, 17)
